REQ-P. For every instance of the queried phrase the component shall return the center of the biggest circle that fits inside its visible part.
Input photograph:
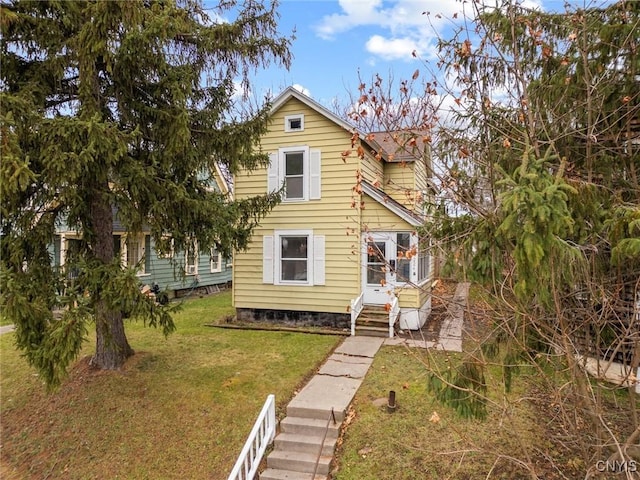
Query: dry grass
(414, 443)
(181, 408)
(524, 428)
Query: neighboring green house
(189, 271)
(344, 241)
(179, 273)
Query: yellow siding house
(338, 244)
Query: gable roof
(380, 142)
(224, 179)
(291, 92)
(397, 145)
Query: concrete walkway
(308, 434)
(451, 331)
(7, 329)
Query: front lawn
(423, 439)
(528, 431)
(182, 408)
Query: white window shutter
(314, 174)
(318, 260)
(267, 259)
(272, 174)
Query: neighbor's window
(215, 261)
(294, 259)
(191, 259)
(294, 175)
(294, 123)
(165, 248)
(136, 248)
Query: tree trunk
(112, 347)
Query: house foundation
(295, 318)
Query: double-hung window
(215, 261)
(412, 259)
(297, 170)
(424, 260)
(135, 254)
(293, 257)
(403, 264)
(294, 163)
(191, 258)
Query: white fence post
(393, 315)
(262, 434)
(356, 307)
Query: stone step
(276, 474)
(374, 313)
(295, 442)
(309, 426)
(314, 413)
(299, 462)
(369, 331)
(365, 319)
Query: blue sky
(337, 39)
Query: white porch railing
(357, 304)
(394, 311)
(262, 434)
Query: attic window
(294, 123)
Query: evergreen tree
(539, 157)
(553, 101)
(120, 106)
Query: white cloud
(392, 48)
(356, 13)
(532, 4)
(240, 91)
(301, 89)
(403, 24)
(400, 15)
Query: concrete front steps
(373, 321)
(299, 445)
(309, 431)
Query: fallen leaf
(363, 452)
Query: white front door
(378, 267)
